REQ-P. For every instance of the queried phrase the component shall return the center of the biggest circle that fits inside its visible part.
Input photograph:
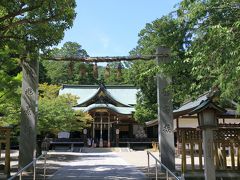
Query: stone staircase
(103, 150)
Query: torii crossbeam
(104, 59)
(29, 104)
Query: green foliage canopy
(42, 22)
(214, 53)
(56, 113)
(203, 37)
(27, 26)
(10, 82)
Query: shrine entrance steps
(103, 150)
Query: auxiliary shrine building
(112, 108)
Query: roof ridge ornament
(102, 85)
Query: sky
(111, 27)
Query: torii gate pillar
(165, 115)
(29, 108)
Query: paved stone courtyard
(104, 165)
(98, 166)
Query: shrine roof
(119, 110)
(124, 94)
(190, 105)
(193, 107)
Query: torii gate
(29, 105)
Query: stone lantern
(207, 113)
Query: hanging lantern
(107, 71)
(95, 70)
(119, 70)
(70, 69)
(82, 70)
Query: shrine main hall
(112, 108)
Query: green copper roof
(123, 94)
(119, 110)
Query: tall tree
(214, 51)
(203, 37)
(27, 26)
(164, 31)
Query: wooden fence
(226, 148)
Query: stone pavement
(98, 166)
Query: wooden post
(117, 137)
(101, 139)
(238, 157)
(192, 155)
(116, 132)
(183, 153)
(217, 161)
(200, 155)
(165, 116)
(209, 168)
(0, 149)
(7, 153)
(93, 131)
(207, 119)
(29, 108)
(224, 157)
(177, 123)
(232, 155)
(108, 143)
